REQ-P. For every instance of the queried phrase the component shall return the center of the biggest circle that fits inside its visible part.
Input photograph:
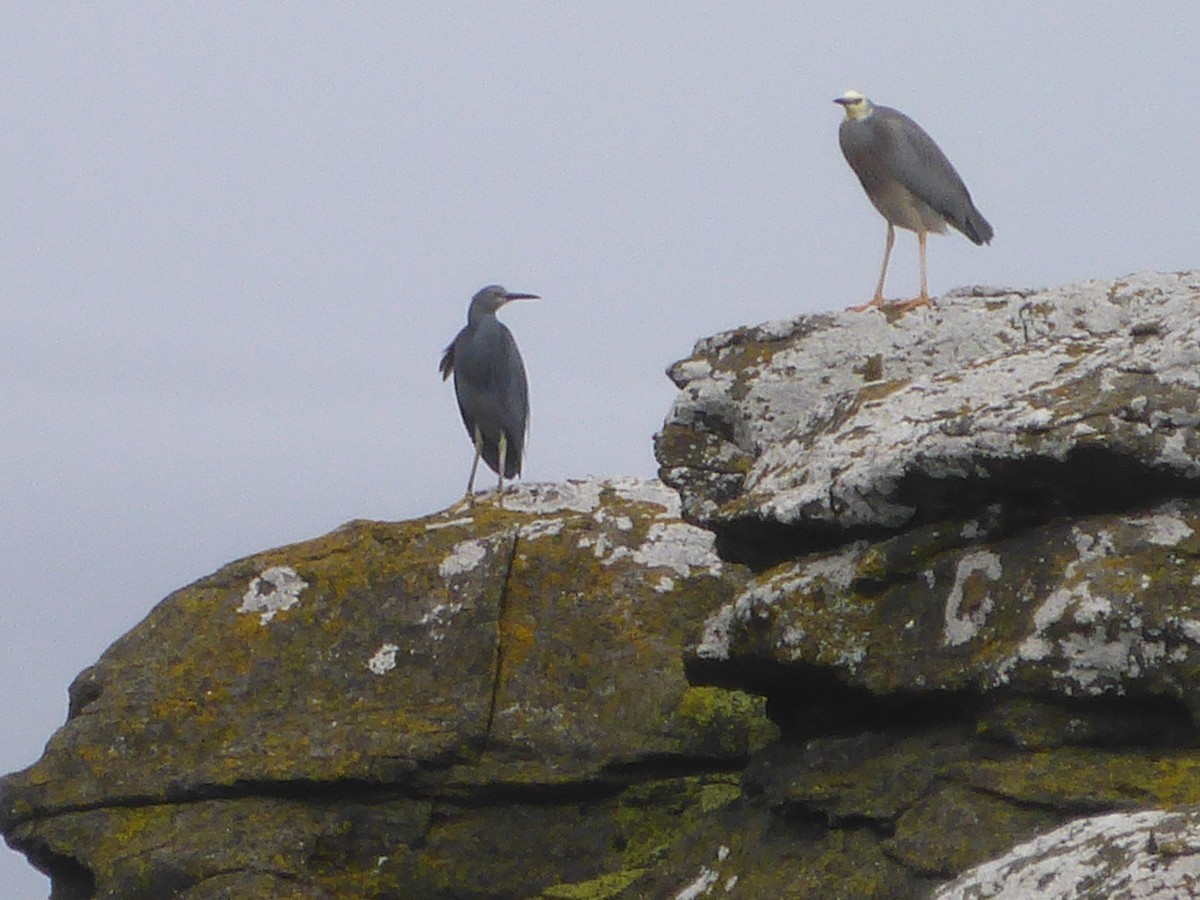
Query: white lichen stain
(587, 495)
(1094, 662)
(438, 618)
(714, 642)
(664, 585)
(701, 886)
(1091, 547)
(792, 637)
(675, 546)
(462, 521)
(465, 556)
(540, 528)
(832, 575)
(1174, 450)
(1163, 529)
(961, 628)
(852, 657)
(274, 590)
(1092, 609)
(1190, 628)
(384, 659)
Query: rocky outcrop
(1119, 857)
(481, 703)
(976, 537)
(812, 430)
(935, 594)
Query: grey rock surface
(812, 427)
(1151, 855)
(946, 600)
(462, 705)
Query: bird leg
(474, 465)
(922, 237)
(503, 460)
(923, 299)
(877, 300)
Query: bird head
(491, 298)
(856, 105)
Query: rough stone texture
(472, 704)
(1095, 606)
(948, 602)
(1123, 856)
(1084, 395)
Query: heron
(909, 180)
(490, 384)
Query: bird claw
(900, 306)
(916, 302)
(873, 303)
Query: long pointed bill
(508, 297)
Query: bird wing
(446, 366)
(919, 164)
(492, 391)
(514, 414)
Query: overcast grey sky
(235, 239)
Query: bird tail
(514, 451)
(976, 227)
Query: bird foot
(875, 302)
(906, 305)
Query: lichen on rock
(921, 590)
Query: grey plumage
(907, 177)
(490, 385)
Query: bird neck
(478, 313)
(859, 111)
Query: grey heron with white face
(490, 384)
(908, 178)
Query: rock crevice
(923, 590)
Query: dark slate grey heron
(909, 180)
(490, 384)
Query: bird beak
(841, 101)
(508, 297)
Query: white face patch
(857, 106)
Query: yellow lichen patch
(877, 391)
(738, 357)
(734, 720)
(1080, 778)
(601, 888)
(652, 816)
(872, 368)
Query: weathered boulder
(976, 537)
(479, 703)
(809, 429)
(1152, 855)
(1092, 606)
(945, 600)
